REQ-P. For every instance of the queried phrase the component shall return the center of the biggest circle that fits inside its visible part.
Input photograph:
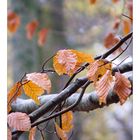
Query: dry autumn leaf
(61, 133)
(92, 1)
(116, 23)
(68, 61)
(97, 69)
(32, 133)
(14, 92)
(19, 121)
(126, 26)
(40, 79)
(30, 28)
(13, 21)
(103, 86)
(115, 1)
(110, 40)
(67, 119)
(9, 134)
(122, 87)
(33, 91)
(42, 35)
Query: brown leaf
(103, 86)
(110, 40)
(33, 91)
(61, 134)
(14, 92)
(68, 61)
(97, 69)
(42, 36)
(13, 21)
(115, 1)
(32, 133)
(40, 79)
(9, 134)
(122, 87)
(116, 24)
(126, 27)
(19, 121)
(92, 1)
(30, 28)
(67, 119)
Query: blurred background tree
(77, 25)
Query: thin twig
(65, 110)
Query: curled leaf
(67, 119)
(19, 121)
(68, 61)
(14, 92)
(40, 79)
(110, 40)
(122, 87)
(33, 91)
(97, 69)
(61, 133)
(30, 29)
(103, 86)
(32, 133)
(42, 36)
(13, 21)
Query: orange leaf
(14, 92)
(40, 79)
(19, 121)
(92, 1)
(126, 27)
(116, 24)
(32, 133)
(122, 87)
(42, 36)
(110, 40)
(61, 134)
(97, 69)
(103, 86)
(67, 119)
(30, 28)
(68, 61)
(33, 91)
(13, 21)
(9, 134)
(115, 1)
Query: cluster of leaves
(67, 62)
(31, 27)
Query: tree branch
(29, 105)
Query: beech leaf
(13, 21)
(42, 35)
(30, 28)
(61, 133)
(122, 87)
(33, 91)
(126, 26)
(68, 61)
(97, 69)
(103, 86)
(40, 79)
(67, 119)
(14, 92)
(19, 121)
